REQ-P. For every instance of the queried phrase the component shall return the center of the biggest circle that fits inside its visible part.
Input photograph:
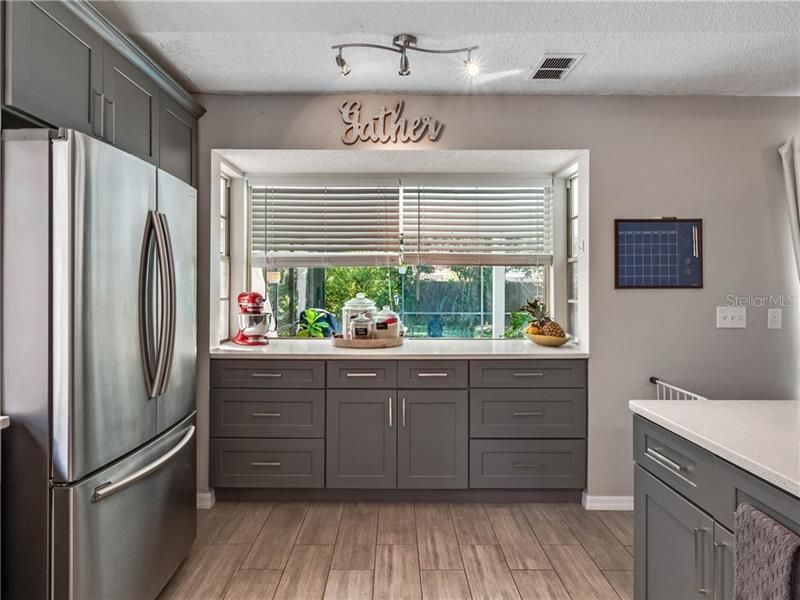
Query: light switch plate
(775, 318)
(731, 317)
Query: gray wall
(708, 157)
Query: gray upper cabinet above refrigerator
(130, 110)
(54, 65)
(67, 66)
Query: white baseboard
(206, 500)
(607, 502)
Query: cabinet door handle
(529, 374)
(719, 566)
(98, 97)
(699, 571)
(404, 412)
(432, 374)
(113, 127)
(265, 464)
(527, 465)
(529, 414)
(267, 374)
(390, 412)
(361, 375)
(263, 414)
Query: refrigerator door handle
(165, 293)
(110, 488)
(147, 343)
(171, 308)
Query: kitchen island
(696, 461)
(432, 419)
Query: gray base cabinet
(387, 424)
(432, 439)
(361, 439)
(685, 499)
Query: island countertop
(759, 436)
(411, 349)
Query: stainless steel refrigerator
(98, 370)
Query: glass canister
(361, 327)
(387, 324)
(355, 307)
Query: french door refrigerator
(98, 370)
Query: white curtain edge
(790, 159)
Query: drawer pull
(529, 414)
(432, 374)
(658, 457)
(529, 374)
(262, 414)
(527, 466)
(267, 374)
(362, 375)
(265, 464)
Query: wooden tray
(340, 342)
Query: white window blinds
(500, 225)
(324, 225)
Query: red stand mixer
(254, 323)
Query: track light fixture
(401, 44)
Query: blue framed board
(658, 253)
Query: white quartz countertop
(759, 436)
(411, 349)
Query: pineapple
(542, 324)
(553, 329)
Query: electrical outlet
(731, 317)
(775, 318)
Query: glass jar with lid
(387, 324)
(355, 307)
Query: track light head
(342, 64)
(404, 71)
(470, 66)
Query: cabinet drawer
(362, 374)
(526, 413)
(268, 463)
(268, 413)
(680, 464)
(267, 373)
(430, 374)
(527, 373)
(557, 464)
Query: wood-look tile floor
(350, 551)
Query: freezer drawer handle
(110, 488)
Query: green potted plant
(312, 324)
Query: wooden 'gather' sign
(388, 125)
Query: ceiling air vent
(555, 66)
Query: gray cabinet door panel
(268, 373)
(558, 464)
(268, 463)
(528, 413)
(354, 374)
(131, 111)
(723, 563)
(361, 439)
(527, 373)
(673, 541)
(432, 439)
(177, 140)
(268, 413)
(54, 66)
(430, 374)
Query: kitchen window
(573, 250)
(453, 260)
(224, 258)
